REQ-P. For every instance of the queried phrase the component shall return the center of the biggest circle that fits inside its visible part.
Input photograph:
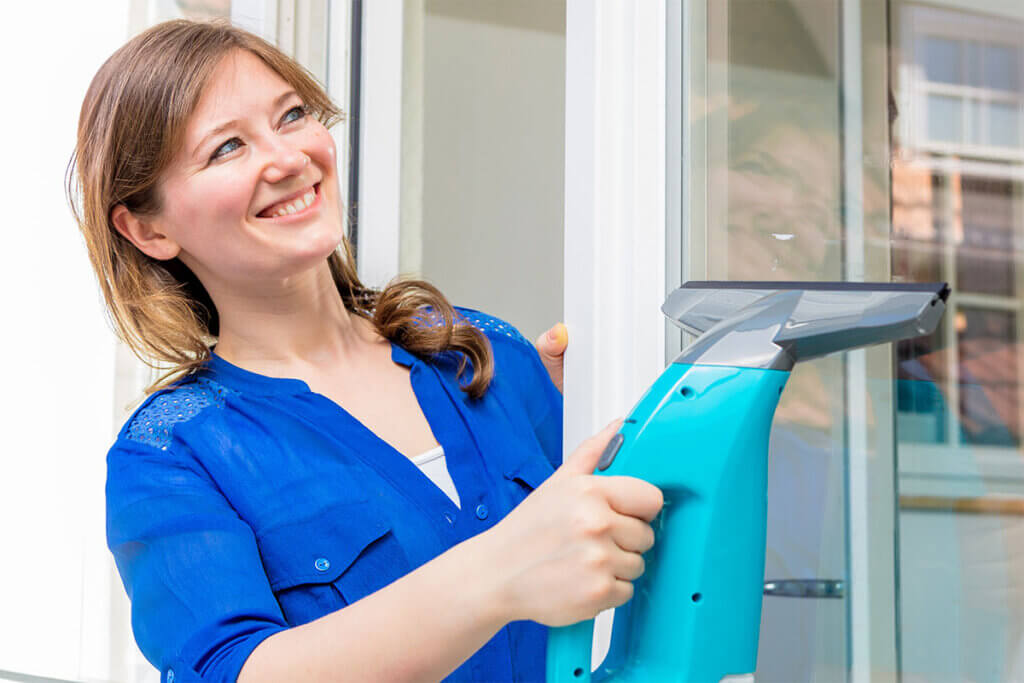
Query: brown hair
(132, 121)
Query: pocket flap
(319, 550)
(532, 470)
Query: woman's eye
(302, 109)
(217, 152)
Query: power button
(610, 451)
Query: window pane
(960, 470)
(945, 118)
(1001, 67)
(989, 405)
(770, 120)
(941, 60)
(920, 243)
(975, 115)
(973, 69)
(985, 260)
(922, 390)
(1004, 124)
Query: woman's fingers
(632, 496)
(632, 534)
(551, 347)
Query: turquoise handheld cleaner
(700, 434)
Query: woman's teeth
(293, 206)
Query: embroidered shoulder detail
(155, 421)
(491, 326)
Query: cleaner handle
(570, 650)
(695, 612)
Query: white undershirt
(434, 465)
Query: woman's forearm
(421, 627)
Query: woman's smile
(295, 208)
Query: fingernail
(552, 334)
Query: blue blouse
(239, 505)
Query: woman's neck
(303, 323)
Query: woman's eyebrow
(228, 124)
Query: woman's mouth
(295, 208)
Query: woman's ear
(143, 234)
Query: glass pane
(1004, 124)
(1002, 63)
(960, 470)
(921, 377)
(983, 262)
(945, 118)
(989, 406)
(771, 119)
(483, 154)
(768, 198)
(973, 70)
(975, 123)
(941, 60)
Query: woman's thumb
(586, 456)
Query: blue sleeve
(200, 599)
(520, 365)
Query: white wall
(58, 402)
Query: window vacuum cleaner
(700, 434)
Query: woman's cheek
(323, 142)
(233, 196)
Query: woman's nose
(285, 161)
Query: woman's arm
(420, 627)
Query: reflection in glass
(984, 257)
(941, 60)
(941, 194)
(920, 403)
(945, 118)
(1001, 67)
(989, 406)
(773, 212)
(1004, 124)
(958, 216)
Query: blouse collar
(240, 379)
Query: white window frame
(615, 215)
(380, 141)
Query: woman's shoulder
(152, 424)
(493, 327)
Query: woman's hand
(550, 346)
(574, 546)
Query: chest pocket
(527, 474)
(320, 565)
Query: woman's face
(222, 193)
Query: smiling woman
(187, 134)
(277, 474)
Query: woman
(263, 507)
